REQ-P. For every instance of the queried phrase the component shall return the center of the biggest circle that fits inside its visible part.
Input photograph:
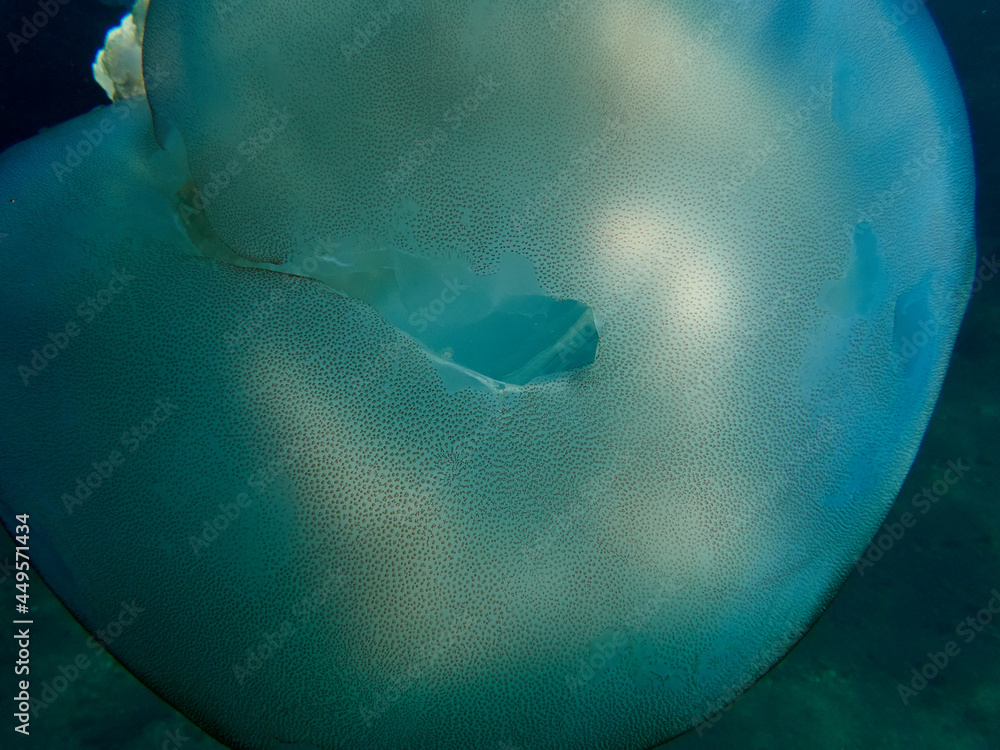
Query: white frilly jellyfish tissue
(465, 374)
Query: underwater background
(838, 689)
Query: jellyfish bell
(534, 380)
